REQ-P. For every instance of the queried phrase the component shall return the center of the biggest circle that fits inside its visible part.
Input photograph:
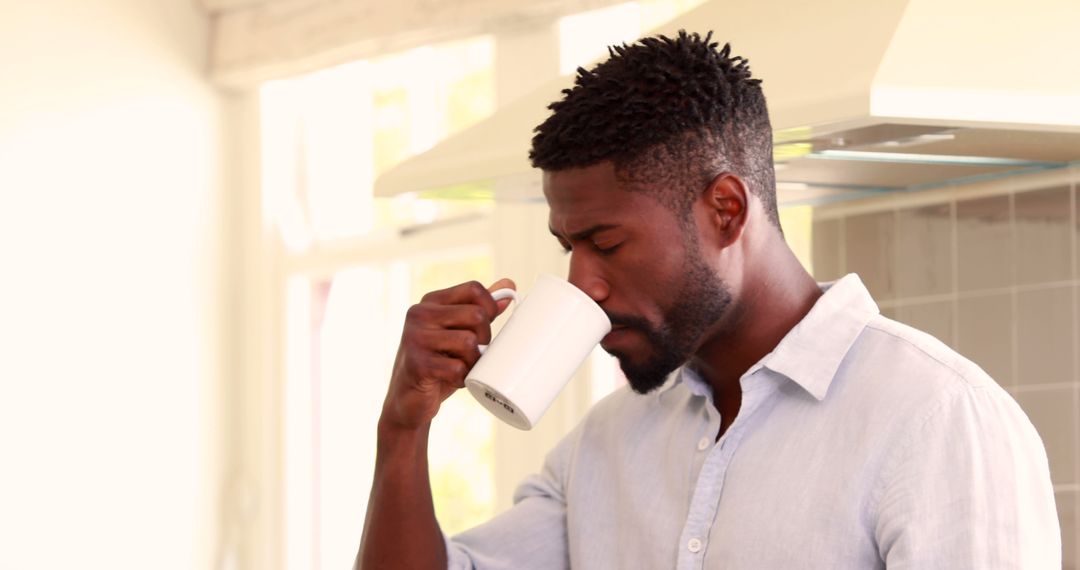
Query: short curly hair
(670, 114)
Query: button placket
(705, 500)
(712, 420)
(703, 505)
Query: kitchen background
(214, 213)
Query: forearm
(401, 530)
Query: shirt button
(703, 444)
(694, 545)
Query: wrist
(401, 452)
(396, 434)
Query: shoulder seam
(922, 350)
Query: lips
(617, 333)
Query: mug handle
(499, 295)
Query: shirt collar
(811, 352)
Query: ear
(726, 204)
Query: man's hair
(670, 114)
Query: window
(352, 264)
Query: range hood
(865, 97)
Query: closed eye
(606, 250)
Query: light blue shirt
(860, 443)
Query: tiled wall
(993, 272)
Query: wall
(110, 176)
(994, 271)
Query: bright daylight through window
(326, 136)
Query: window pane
(391, 127)
(341, 340)
(355, 354)
(460, 449)
(298, 426)
(328, 135)
(336, 151)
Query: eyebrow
(585, 233)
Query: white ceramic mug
(549, 334)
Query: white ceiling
(256, 40)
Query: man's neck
(767, 310)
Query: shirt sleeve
(532, 533)
(969, 489)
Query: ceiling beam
(277, 38)
(218, 6)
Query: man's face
(642, 264)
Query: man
(770, 422)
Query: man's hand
(439, 345)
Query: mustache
(629, 321)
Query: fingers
(471, 318)
(440, 368)
(503, 283)
(457, 344)
(467, 293)
(439, 345)
(472, 293)
(445, 370)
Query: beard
(700, 301)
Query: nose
(586, 276)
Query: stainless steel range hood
(865, 97)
